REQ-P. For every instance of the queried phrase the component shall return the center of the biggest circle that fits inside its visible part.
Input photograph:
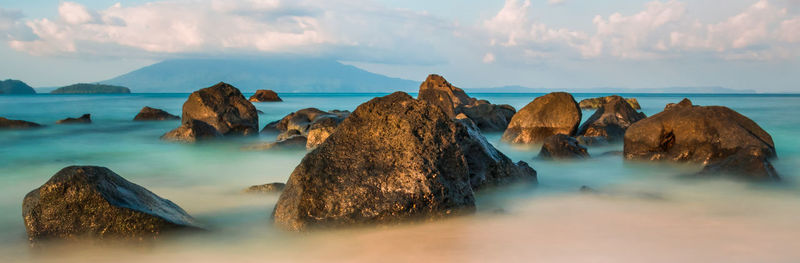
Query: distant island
(89, 88)
(283, 74)
(13, 86)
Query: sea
(639, 212)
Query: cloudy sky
(558, 44)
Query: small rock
(192, 131)
(17, 124)
(153, 114)
(266, 188)
(561, 146)
(265, 96)
(83, 119)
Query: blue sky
(557, 44)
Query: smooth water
(643, 213)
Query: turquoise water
(643, 207)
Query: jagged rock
(610, 120)
(453, 101)
(17, 124)
(192, 131)
(595, 103)
(551, 114)
(221, 106)
(265, 96)
(83, 119)
(94, 202)
(561, 146)
(153, 114)
(266, 188)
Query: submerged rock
(17, 124)
(561, 146)
(153, 114)
(192, 131)
(395, 158)
(222, 107)
(453, 101)
(595, 103)
(611, 120)
(94, 202)
(266, 188)
(545, 116)
(265, 96)
(83, 119)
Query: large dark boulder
(453, 101)
(153, 114)
(94, 202)
(393, 159)
(222, 107)
(83, 119)
(596, 103)
(545, 116)
(265, 96)
(192, 131)
(561, 146)
(17, 124)
(611, 120)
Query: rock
(453, 101)
(292, 142)
(611, 120)
(595, 103)
(311, 123)
(222, 107)
(561, 146)
(83, 119)
(265, 96)
(488, 166)
(591, 140)
(551, 114)
(94, 202)
(192, 132)
(750, 163)
(393, 159)
(153, 114)
(17, 124)
(266, 188)
(684, 102)
(490, 117)
(321, 129)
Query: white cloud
(555, 2)
(488, 58)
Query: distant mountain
(12, 86)
(281, 74)
(88, 88)
(521, 89)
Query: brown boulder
(192, 131)
(17, 124)
(545, 116)
(153, 114)
(561, 146)
(610, 120)
(222, 107)
(311, 123)
(595, 103)
(83, 119)
(453, 101)
(265, 96)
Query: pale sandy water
(642, 214)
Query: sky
(555, 44)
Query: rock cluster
(153, 114)
(611, 120)
(453, 101)
(265, 96)
(311, 125)
(595, 103)
(222, 107)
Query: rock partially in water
(94, 202)
(489, 117)
(591, 140)
(311, 123)
(222, 107)
(153, 114)
(271, 188)
(545, 116)
(394, 159)
(17, 124)
(611, 120)
(265, 96)
(453, 101)
(321, 128)
(291, 142)
(192, 131)
(595, 103)
(561, 146)
(750, 163)
(83, 119)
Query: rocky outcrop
(611, 120)
(153, 114)
(311, 123)
(596, 103)
(192, 131)
(222, 107)
(545, 116)
(17, 124)
(83, 119)
(561, 146)
(393, 159)
(94, 202)
(453, 101)
(703, 134)
(271, 188)
(265, 96)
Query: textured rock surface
(265, 96)
(489, 117)
(551, 114)
(222, 107)
(192, 131)
(611, 120)
(94, 202)
(750, 163)
(17, 124)
(314, 124)
(83, 119)
(561, 146)
(153, 114)
(270, 188)
(453, 101)
(393, 159)
(595, 103)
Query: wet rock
(153, 114)
(561, 146)
(192, 131)
(270, 188)
(221, 106)
(595, 103)
(750, 163)
(611, 120)
(265, 96)
(83, 119)
(393, 159)
(453, 101)
(17, 124)
(551, 114)
(310, 123)
(94, 202)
